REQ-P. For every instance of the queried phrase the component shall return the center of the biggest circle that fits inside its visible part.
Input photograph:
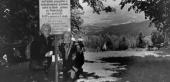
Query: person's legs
(47, 63)
(78, 64)
(65, 70)
(33, 70)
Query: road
(103, 71)
(96, 68)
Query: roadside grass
(142, 69)
(148, 69)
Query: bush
(157, 38)
(140, 43)
(94, 41)
(123, 45)
(113, 42)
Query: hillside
(122, 29)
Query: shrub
(123, 45)
(157, 38)
(140, 43)
(113, 42)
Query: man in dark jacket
(79, 60)
(76, 60)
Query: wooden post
(56, 60)
(57, 37)
(57, 40)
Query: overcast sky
(120, 17)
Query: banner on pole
(56, 13)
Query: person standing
(41, 50)
(79, 60)
(76, 59)
(65, 48)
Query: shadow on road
(87, 75)
(120, 65)
(121, 60)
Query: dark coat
(39, 47)
(74, 52)
(78, 52)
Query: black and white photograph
(84, 40)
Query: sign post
(56, 52)
(56, 13)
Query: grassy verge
(143, 69)
(148, 69)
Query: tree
(157, 39)
(123, 45)
(140, 42)
(158, 11)
(20, 17)
(77, 11)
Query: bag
(72, 72)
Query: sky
(120, 17)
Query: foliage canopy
(158, 11)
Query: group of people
(71, 50)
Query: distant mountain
(121, 29)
